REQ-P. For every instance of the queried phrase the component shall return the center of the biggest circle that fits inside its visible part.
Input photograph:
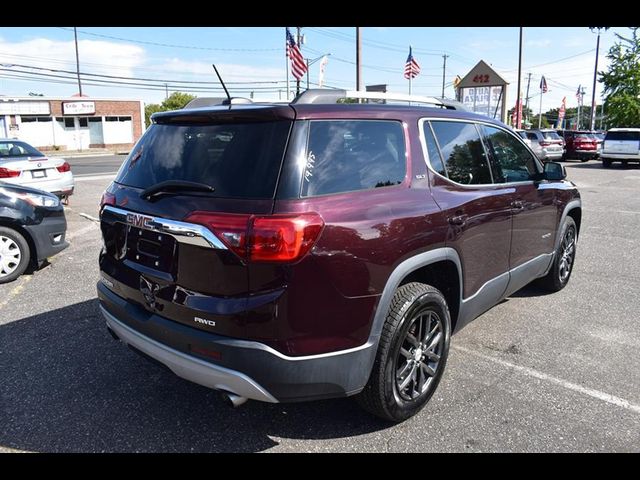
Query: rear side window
(633, 136)
(349, 155)
(463, 153)
(240, 160)
(532, 136)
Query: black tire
(558, 275)
(14, 255)
(584, 160)
(606, 163)
(414, 306)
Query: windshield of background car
(239, 160)
(18, 149)
(551, 136)
(633, 136)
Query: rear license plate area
(38, 173)
(151, 249)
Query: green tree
(622, 82)
(175, 101)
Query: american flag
(298, 65)
(411, 68)
(543, 84)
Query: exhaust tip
(232, 399)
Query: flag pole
(540, 110)
(410, 76)
(286, 61)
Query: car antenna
(222, 83)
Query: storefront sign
(24, 108)
(78, 108)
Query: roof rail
(325, 95)
(214, 101)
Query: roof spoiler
(215, 101)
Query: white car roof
(624, 130)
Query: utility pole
(595, 75)
(166, 91)
(527, 97)
(601, 114)
(75, 36)
(307, 60)
(444, 71)
(300, 47)
(358, 59)
(518, 119)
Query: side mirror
(554, 171)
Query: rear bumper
(246, 368)
(64, 185)
(628, 157)
(49, 236)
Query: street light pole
(311, 62)
(518, 118)
(595, 75)
(358, 59)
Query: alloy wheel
(568, 252)
(418, 359)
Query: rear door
(162, 252)
(478, 210)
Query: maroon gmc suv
(325, 247)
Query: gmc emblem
(140, 221)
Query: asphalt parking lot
(537, 373)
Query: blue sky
(565, 56)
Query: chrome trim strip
(188, 367)
(268, 349)
(183, 232)
(423, 144)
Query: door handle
(517, 204)
(459, 220)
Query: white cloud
(230, 72)
(96, 56)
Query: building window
(124, 119)
(43, 119)
(111, 119)
(68, 122)
(83, 121)
(28, 119)
(94, 119)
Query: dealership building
(76, 123)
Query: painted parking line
(530, 372)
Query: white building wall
(117, 131)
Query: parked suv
(621, 145)
(546, 144)
(317, 249)
(580, 144)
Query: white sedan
(22, 164)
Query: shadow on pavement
(67, 386)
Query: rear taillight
(272, 238)
(107, 199)
(65, 167)
(9, 173)
(545, 144)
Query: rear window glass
(240, 160)
(634, 136)
(18, 149)
(349, 155)
(551, 136)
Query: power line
(191, 47)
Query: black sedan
(32, 228)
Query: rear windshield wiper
(174, 186)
